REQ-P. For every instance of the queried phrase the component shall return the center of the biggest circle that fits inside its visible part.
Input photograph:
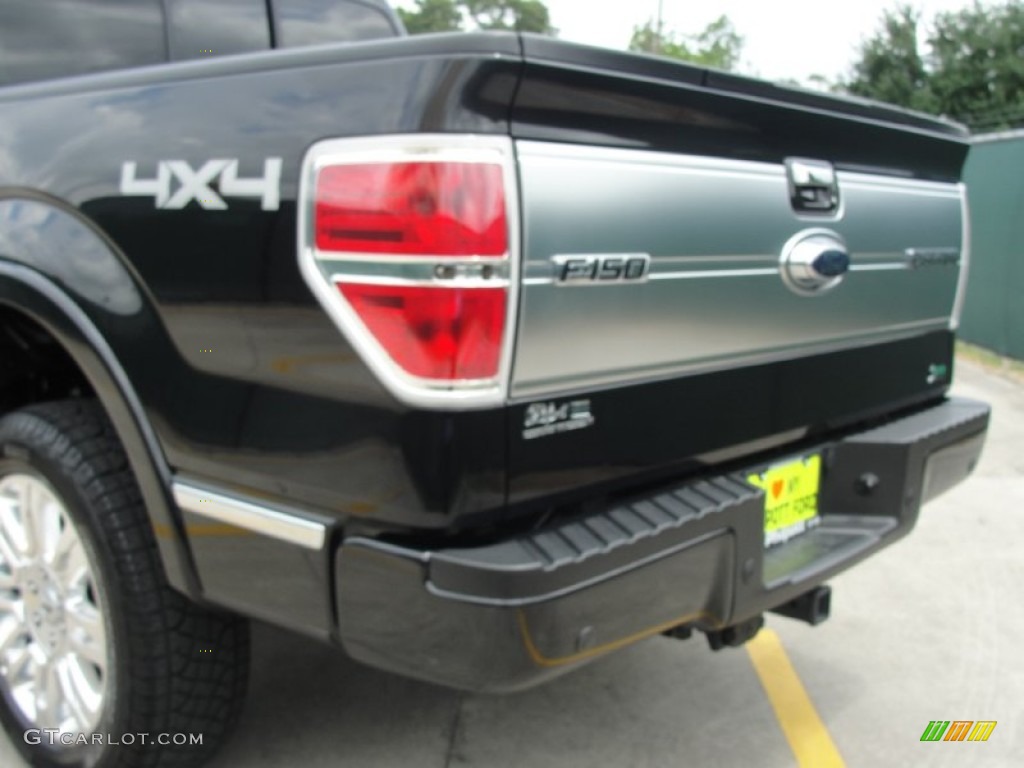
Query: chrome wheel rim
(54, 650)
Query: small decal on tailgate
(543, 419)
(937, 372)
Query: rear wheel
(101, 662)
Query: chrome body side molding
(288, 527)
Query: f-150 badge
(177, 184)
(595, 269)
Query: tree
(971, 67)
(451, 15)
(431, 16)
(520, 15)
(977, 58)
(718, 45)
(890, 67)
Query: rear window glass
(43, 39)
(312, 22)
(204, 28)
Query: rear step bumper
(511, 614)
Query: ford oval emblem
(814, 261)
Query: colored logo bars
(958, 730)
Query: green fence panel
(994, 310)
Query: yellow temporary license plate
(790, 498)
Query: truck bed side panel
(245, 379)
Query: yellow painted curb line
(807, 735)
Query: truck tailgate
(714, 295)
(669, 308)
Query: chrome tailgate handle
(813, 187)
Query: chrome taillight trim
(965, 261)
(317, 271)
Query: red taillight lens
(409, 243)
(415, 208)
(435, 333)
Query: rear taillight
(415, 209)
(408, 242)
(442, 334)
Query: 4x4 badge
(197, 185)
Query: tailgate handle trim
(813, 186)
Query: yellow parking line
(807, 736)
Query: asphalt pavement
(929, 629)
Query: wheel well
(36, 367)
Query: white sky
(783, 38)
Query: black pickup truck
(476, 355)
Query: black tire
(175, 667)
